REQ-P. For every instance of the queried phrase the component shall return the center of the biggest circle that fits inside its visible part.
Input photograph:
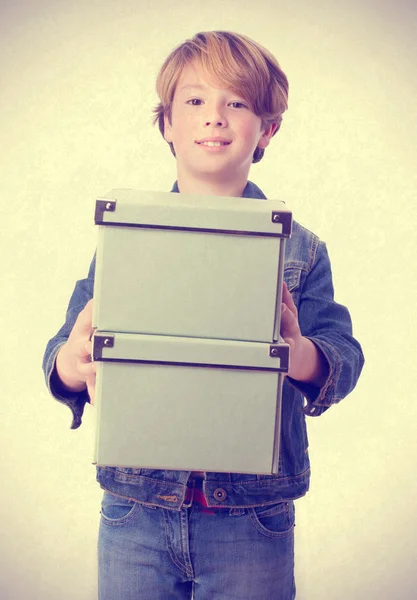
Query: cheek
(250, 130)
(188, 125)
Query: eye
(237, 104)
(194, 102)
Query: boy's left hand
(307, 363)
(290, 329)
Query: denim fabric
(157, 554)
(307, 273)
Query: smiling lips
(213, 142)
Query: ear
(266, 135)
(167, 129)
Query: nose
(217, 123)
(215, 117)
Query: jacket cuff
(319, 399)
(74, 400)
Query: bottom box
(186, 403)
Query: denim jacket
(307, 273)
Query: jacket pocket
(292, 277)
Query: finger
(91, 387)
(288, 299)
(86, 351)
(85, 370)
(289, 323)
(83, 324)
(290, 342)
(84, 355)
(286, 294)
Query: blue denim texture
(307, 272)
(158, 554)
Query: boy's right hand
(74, 364)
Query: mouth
(213, 144)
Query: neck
(210, 186)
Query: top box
(190, 265)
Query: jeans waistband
(195, 495)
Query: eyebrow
(196, 86)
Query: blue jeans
(151, 553)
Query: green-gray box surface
(190, 404)
(189, 265)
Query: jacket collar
(251, 191)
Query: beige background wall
(76, 92)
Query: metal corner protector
(100, 341)
(103, 206)
(281, 351)
(285, 220)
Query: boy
(171, 534)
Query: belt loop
(189, 494)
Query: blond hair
(234, 60)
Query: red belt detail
(199, 498)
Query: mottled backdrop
(76, 93)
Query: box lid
(138, 208)
(214, 353)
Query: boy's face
(203, 112)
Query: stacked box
(187, 303)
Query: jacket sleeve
(82, 293)
(328, 324)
